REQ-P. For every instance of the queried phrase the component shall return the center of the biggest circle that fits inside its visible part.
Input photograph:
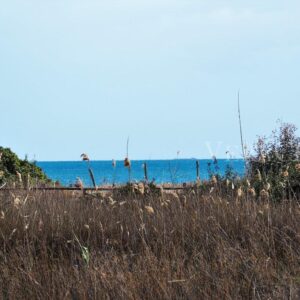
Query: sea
(174, 171)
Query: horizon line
(162, 159)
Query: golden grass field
(183, 245)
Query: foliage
(275, 164)
(11, 165)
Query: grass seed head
(239, 192)
(19, 175)
(127, 162)
(141, 188)
(17, 202)
(149, 210)
(111, 201)
(262, 159)
(79, 183)
(252, 192)
(264, 194)
(285, 174)
(85, 157)
(258, 175)
(214, 179)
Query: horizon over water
(160, 171)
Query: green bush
(11, 165)
(275, 166)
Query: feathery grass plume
(227, 182)
(2, 215)
(111, 201)
(261, 212)
(268, 186)
(285, 173)
(161, 190)
(239, 192)
(17, 202)
(149, 210)
(19, 176)
(252, 192)
(264, 194)
(297, 167)
(1, 174)
(127, 162)
(79, 183)
(85, 157)
(173, 196)
(28, 181)
(258, 175)
(248, 183)
(141, 188)
(214, 179)
(262, 159)
(40, 225)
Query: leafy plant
(275, 163)
(11, 166)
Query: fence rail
(103, 189)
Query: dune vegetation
(226, 238)
(184, 245)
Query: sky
(84, 75)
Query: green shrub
(275, 165)
(11, 165)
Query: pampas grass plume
(149, 210)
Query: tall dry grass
(56, 245)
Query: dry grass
(55, 245)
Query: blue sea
(160, 171)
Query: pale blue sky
(81, 76)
